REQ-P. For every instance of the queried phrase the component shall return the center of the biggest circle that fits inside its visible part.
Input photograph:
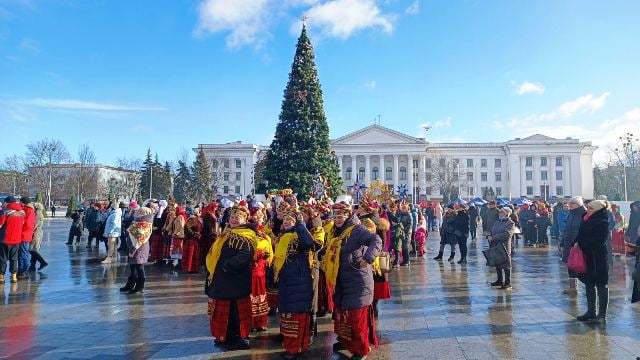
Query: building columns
(410, 174)
(396, 170)
(340, 166)
(354, 167)
(367, 169)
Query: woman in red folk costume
(210, 227)
(325, 292)
(191, 253)
(292, 271)
(156, 241)
(229, 281)
(263, 259)
(370, 219)
(351, 251)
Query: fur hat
(577, 200)
(598, 205)
(505, 210)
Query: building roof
(377, 134)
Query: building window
(416, 177)
(226, 163)
(543, 175)
(483, 176)
(529, 190)
(237, 190)
(498, 191)
(214, 164)
(483, 190)
(469, 163)
(559, 191)
(543, 161)
(348, 173)
(238, 176)
(374, 173)
(469, 176)
(543, 191)
(559, 161)
(403, 173)
(226, 189)
(361, 173)
(238, 163)
(428, 163)
(483, 163)
(428, 190)
(529, 175)
(441, 162)
(427, 177)
(498, 176)
(226, 176)
(388, 173)
(470, 191)
(455, 176)
(498, 163)
(529, 161)
(559, 175)
(415, 164)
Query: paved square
(73, 310)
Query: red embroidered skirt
(617, 242)
(157, 245)
(191, 260)
(259, 305)
(381, 290)
(325, 294)
(296, 330)
(356, 329)
(272, 298)
(219, 316)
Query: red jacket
(13, 218)
(29, 223)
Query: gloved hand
(265, 255)
(299, 218)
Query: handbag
(577, 261)
(496, 255)
(385, 262)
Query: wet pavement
(73, 310)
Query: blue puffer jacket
(295, 290)
(354, 286)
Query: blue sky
(126, 75)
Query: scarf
(287, 244)
(331, 262)
(370, 225)
(264, 246)
(140, 232)
(236, 238)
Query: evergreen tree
(301, 149)
(146, 177)
(73, 206)
(201, 179)
(182, 186)
(165, 181)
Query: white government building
(535, 166)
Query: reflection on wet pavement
(73, 310)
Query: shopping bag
(385, 262)
(496, 255)
(577, 261)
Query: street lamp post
(624, 173)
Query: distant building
(535, 166)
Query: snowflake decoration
(402, 191)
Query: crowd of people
(301, 260)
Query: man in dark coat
(404, 217)
(350, 252)
(592, 240)
(569, 238)
(631, 234)
(527, 224)
(473, 221)
(461, 231)
(492, 216)
(500, 235)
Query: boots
(139, 286)
(507, 280)
(1, 278)
(14, 278)
(452, 257)
(498, 282)
(131, 282)
(439, 257)
(375, 308)
(396, 259)
(111, 251)
(313, 332)
(603, 304)
(405, 258)
(32, 266)
(572, 288)
(591, 305)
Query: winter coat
(113, 224)
(29, 222)
(634, 223)
(405, 219)
(295, 290)
(232, 276)
(592, 239)
(473, 216)
(447, 232)
(139, 256)
(501, 233)
(37, 232)
(76, 224)
(11, 223)
(354, 285)
(573, 225)
(461, 226)
(492, 217)
(438, 211)
(561, 218)
(527, 218)
(92, 220)
(542, 222)
(414, 219)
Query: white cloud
(371, 84)
(414, 8)
(246, 20)
(73, 104)
(530, 88)
(343, 18)
(444, 123)
(584, 104)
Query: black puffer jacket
(592, 239)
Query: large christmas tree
(301, 150)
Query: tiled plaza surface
(73, 310)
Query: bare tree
(448, 177)
(14, 178)
(131, 181)
(617, 177)
(86, 175)
(41, 156)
